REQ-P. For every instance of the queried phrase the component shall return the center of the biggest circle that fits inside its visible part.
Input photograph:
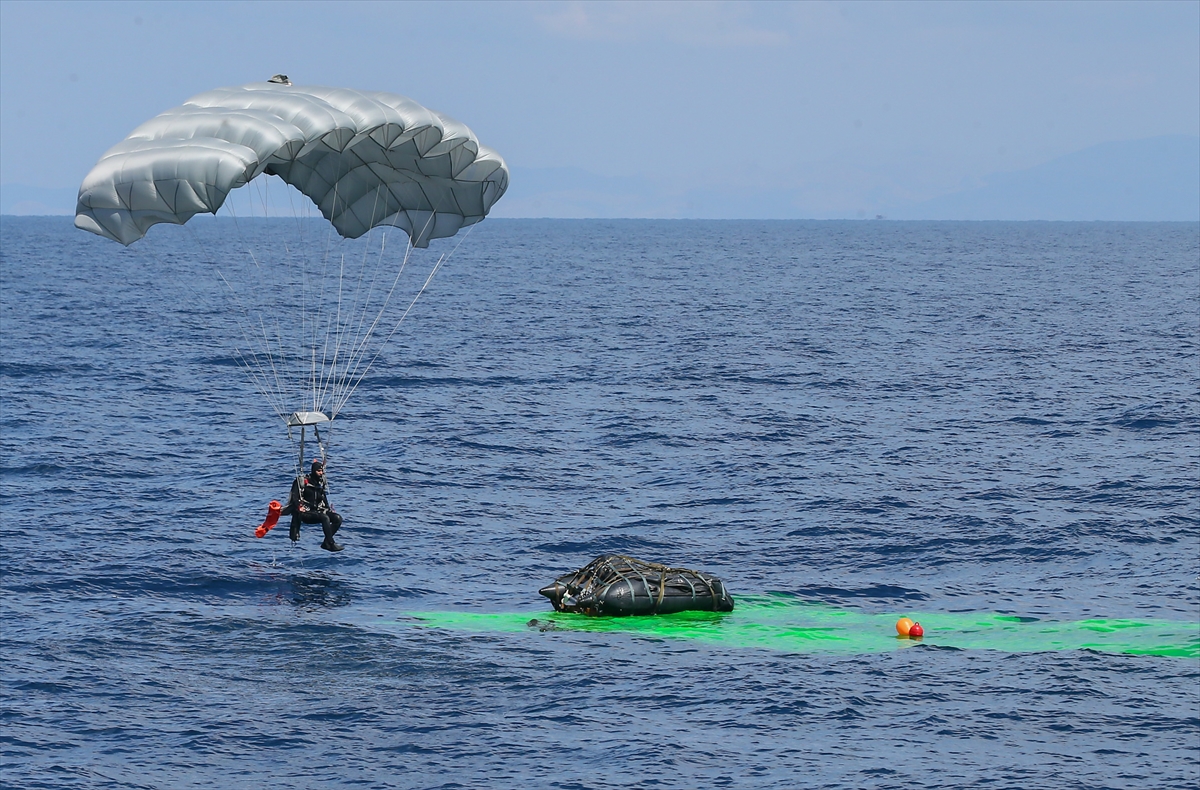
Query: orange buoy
(273, 510)
(904, 626)
(916, 631)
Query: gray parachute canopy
(364, 158)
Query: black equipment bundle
(615, 585)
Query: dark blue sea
(879, 416)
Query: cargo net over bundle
(616, 585)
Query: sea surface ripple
(882, 416)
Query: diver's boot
(329, 545)
(294, 531)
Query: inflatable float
(615, 585)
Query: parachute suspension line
(330, 370)
(297, 255)
(320, 328)
(242, 236)
(325, 374)
(363, 337)
(313, 327)
(254, 368)
(296, 287)
(366, 301)
(300, 459)
(348, 382)
(260, 380)
(360, 349)
(340, 329)
(352, 376)
(313, 373)
(337, 334)
(278, 402)
(344, 389)
(361, 307)
(259, 384)
(345, 324)
(324, 275)
(274, 397)
(292, 361)
(255, 372)
(275, 242)
(335, 380)
(324, 445)
(301, 222)
(445, 257)
(296, 214)
(262, 191)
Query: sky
(669, 109)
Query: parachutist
(309, 504)
(187, 160)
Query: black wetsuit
(309, 504)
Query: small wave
(18, 370)
(616, 544)
(882, 592)
(451, 382)
(1028, 421)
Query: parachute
(364, 158)
(310, 316)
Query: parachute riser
(303, 420)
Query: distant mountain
(1156, 179)
(574, 192)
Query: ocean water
(966, 420)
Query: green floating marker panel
(786, 624)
